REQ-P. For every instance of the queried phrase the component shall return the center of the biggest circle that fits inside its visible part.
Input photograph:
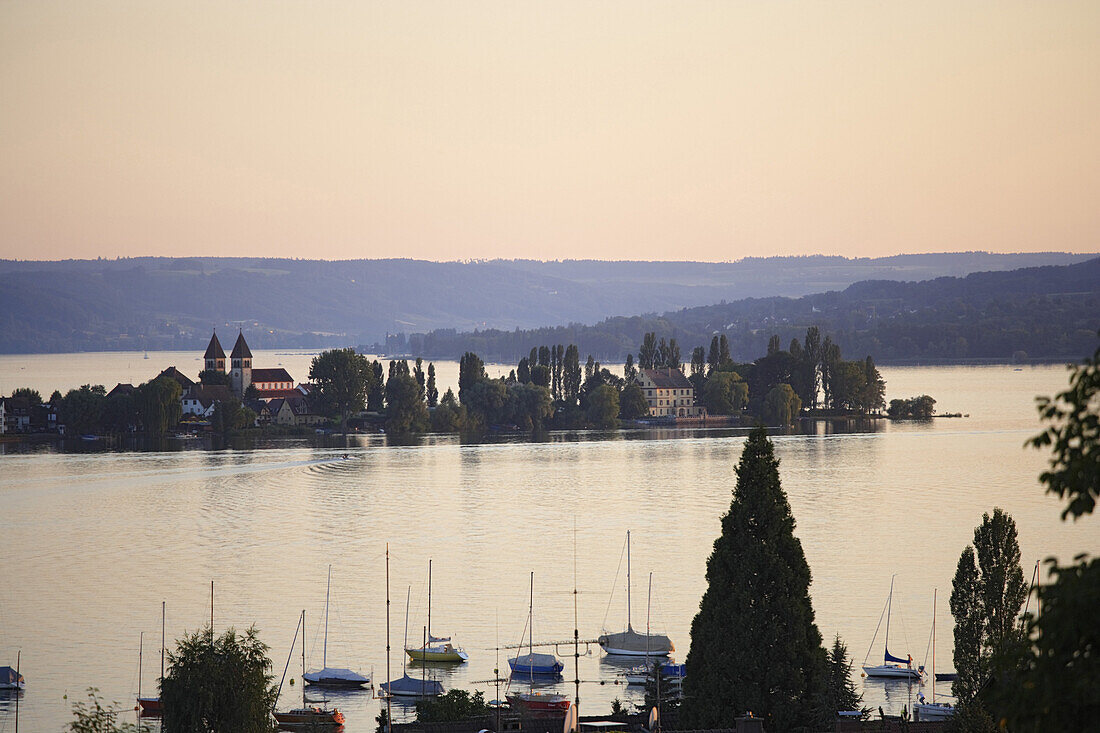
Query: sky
(616, 130)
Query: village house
(17, 414)
(200, 399)
(3, 412)
(669, 393)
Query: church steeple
(240, 373)
(215, 355)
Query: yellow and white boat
(437, 650)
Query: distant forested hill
(164, 303)
(1048, 312)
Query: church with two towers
(269, 383)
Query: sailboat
(933, 710)
(333, 676)
(436, 649)
(532, 665)
(630, 643)
(10, 679)
(151, 705)
(669, 670)
(307, 717)
(891, 665)
(407, 686)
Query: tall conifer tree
(754, 644)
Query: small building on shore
(669, 393)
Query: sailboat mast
(531, 622)
(889, 609)
(141, 644)
(648, 605)
(934, 591)
(428, 628)
(303, 623)
(162, 641)
(576, 628)
(628, 580)
(324, 648)
(405, 644)
(389, 679)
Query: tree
(376, 393)
(158, 404)
(725, 393)
(33, 398)
(218, 684)
(432, 391)
(343, 380)
(82, 409)
(471, 370)
(541, 375)
(418, 375)
(754, 643)
(230, 416)
(603, 407)
(1073, 434)
(455, 705)
(986, 597)
(571, 375)
(632, 403)
(214, 377)
(781, 406)
(647, 354)
(449, 416)
(1050, 681)
(405, 410)
(914, 408)
(630, 372)
(773, 345)
(484, 402)
(713, 360)
(672, 357)
(840, 692)
(528, 406)
(93, 717)
(523, 371)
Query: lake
(95, 541)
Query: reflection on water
(102, 538)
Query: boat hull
(338, 684)
(635, 653)
(539, 702)
(150, 706)
(454, 656)
(310, 718)
(891, 671)
(933, 711)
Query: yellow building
(669, 393)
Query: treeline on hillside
(1041, 312)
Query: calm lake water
(95, 541)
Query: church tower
(214, 358)
(240, 372)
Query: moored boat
(406, 686)
(891, 666)
(307, 717)
(435, 649)
(327, 676)
(150, 706)
(923, 709)
(11, 679)
(534, 664)
(630, 643)
(538, 702)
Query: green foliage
(405, 410)
(158, 404)
(781, 406)
(92, 717)
(528, 406)
(725, 393)
(82, 409)
(632, 403)
(603, 407)
(471, 371)
(484, 401)
(647, 354)
(214, 377)
(1052, 683)
(214, 685)
(33, 398)
(230, 416)
(431, 391)
(449, 416)
(914, 408)
(839, 690)
(986, 597)
(454, 705)
(1073, 433)
(754, 643)
(251, 392)
(343, 379)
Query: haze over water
(95, 541)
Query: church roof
(173, 373)
(214, 350)
(240, 349)
(271, 375)
(667, 378)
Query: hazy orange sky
(452, 130)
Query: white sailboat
(435, 649)
(891, 666)
(307, 717)
(630, 643)
(534, 664)
(332, 676)
(933, 710)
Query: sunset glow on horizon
(612, 130)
